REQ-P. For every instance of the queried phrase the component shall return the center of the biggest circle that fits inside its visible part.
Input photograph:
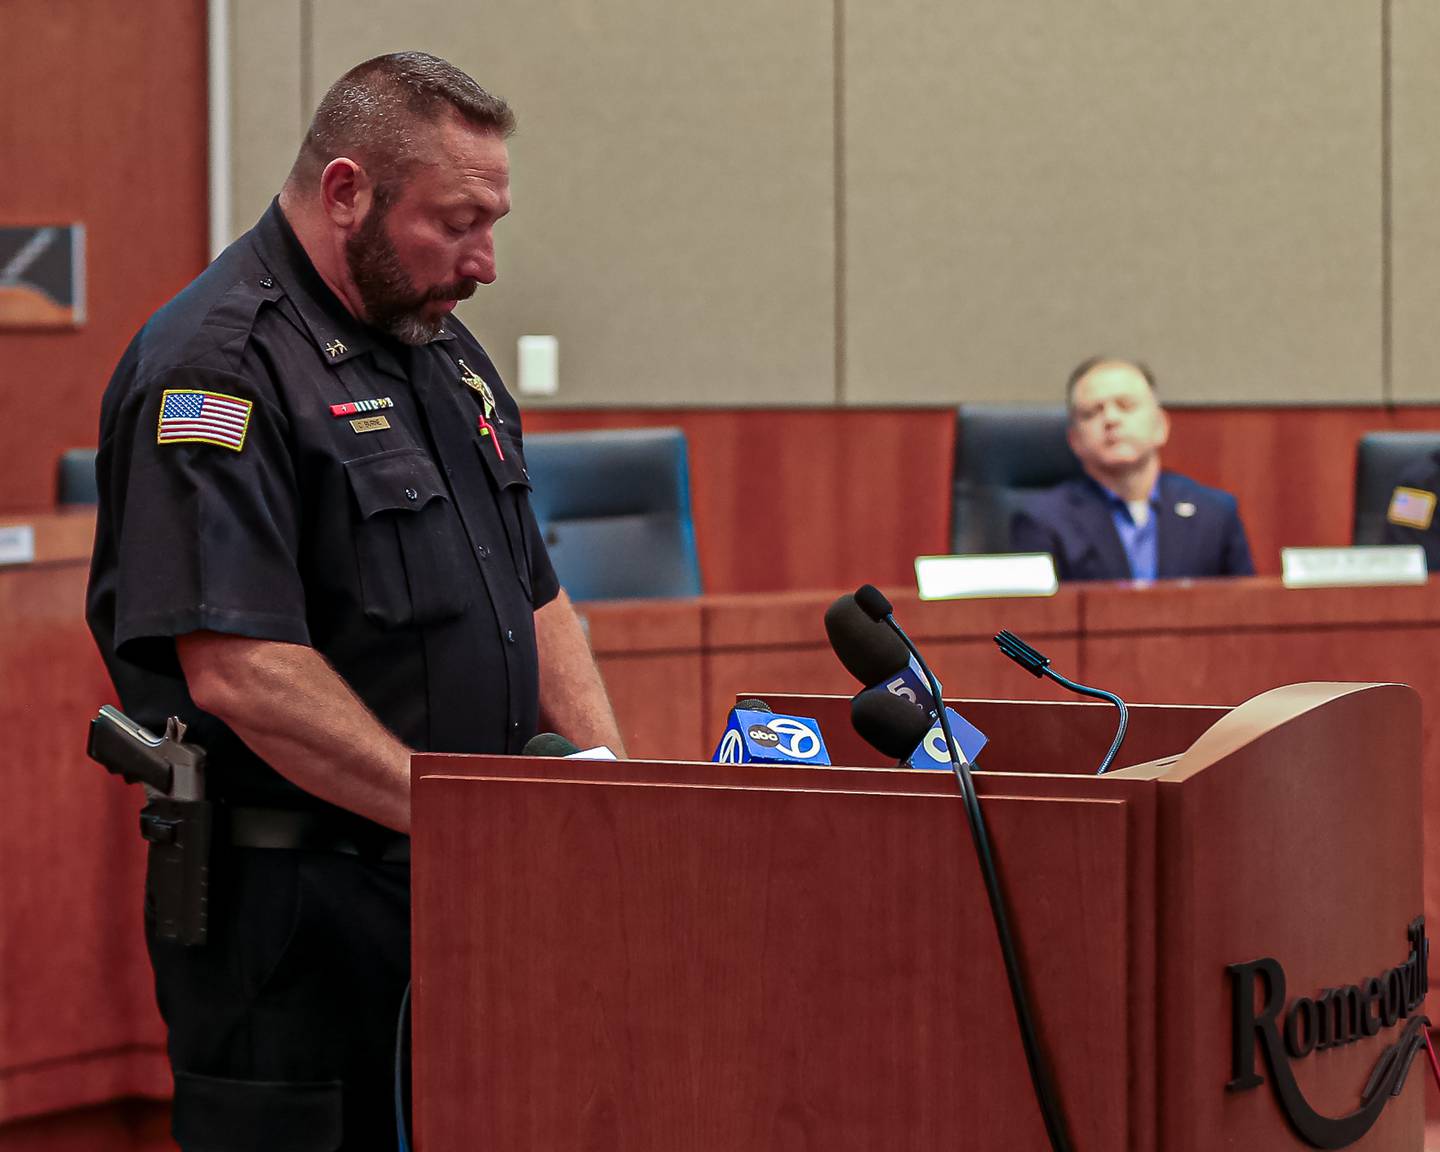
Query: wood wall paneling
(1292, 470)
(78, 1022)
(833, 499)
(1028, 183)
(804, 499)
(807, 499)
(102, 122)
(650, 655)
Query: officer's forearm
(296, 713)
(572, 695)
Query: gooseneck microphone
(875, 605)
(1033, 662)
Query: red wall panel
(102, 122)
(824, 498)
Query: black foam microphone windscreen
(871, 652)
(889, 723)
(549, 744)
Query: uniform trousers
(282, 1025)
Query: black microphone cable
(402, 1141)
(1033, 662)
(879, 609)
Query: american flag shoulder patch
(1411, 508)
(192, 416)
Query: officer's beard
(392, 302)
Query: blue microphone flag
(767, 738)
(910, 684)
(931, 751)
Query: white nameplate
(1342, 567)
(17, 544)
(1011, 574)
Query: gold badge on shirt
(479, 387)
(1411, 508)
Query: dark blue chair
(1002, 454)
(614, 506)
(75, 477)
(1380, 457)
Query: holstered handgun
(177, 819)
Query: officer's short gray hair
(372, 114)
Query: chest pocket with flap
(409, 542)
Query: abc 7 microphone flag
(754, 737)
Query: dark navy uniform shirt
(271, 467)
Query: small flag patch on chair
(191, 416)
(1411, 508)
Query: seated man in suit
(1126, 519)
(1410, 515)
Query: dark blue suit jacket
(1072, 522)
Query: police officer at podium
(315, 546)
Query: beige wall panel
(1032, 180)
(267, 109)
(1415, 149)
(673, 182)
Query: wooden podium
(680, 957)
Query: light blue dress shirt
(1141, 543)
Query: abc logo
(763, 735)
(794, 739)
(732, 748)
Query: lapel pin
(1185, 509)
(480, 388)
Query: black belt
(295, 828)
